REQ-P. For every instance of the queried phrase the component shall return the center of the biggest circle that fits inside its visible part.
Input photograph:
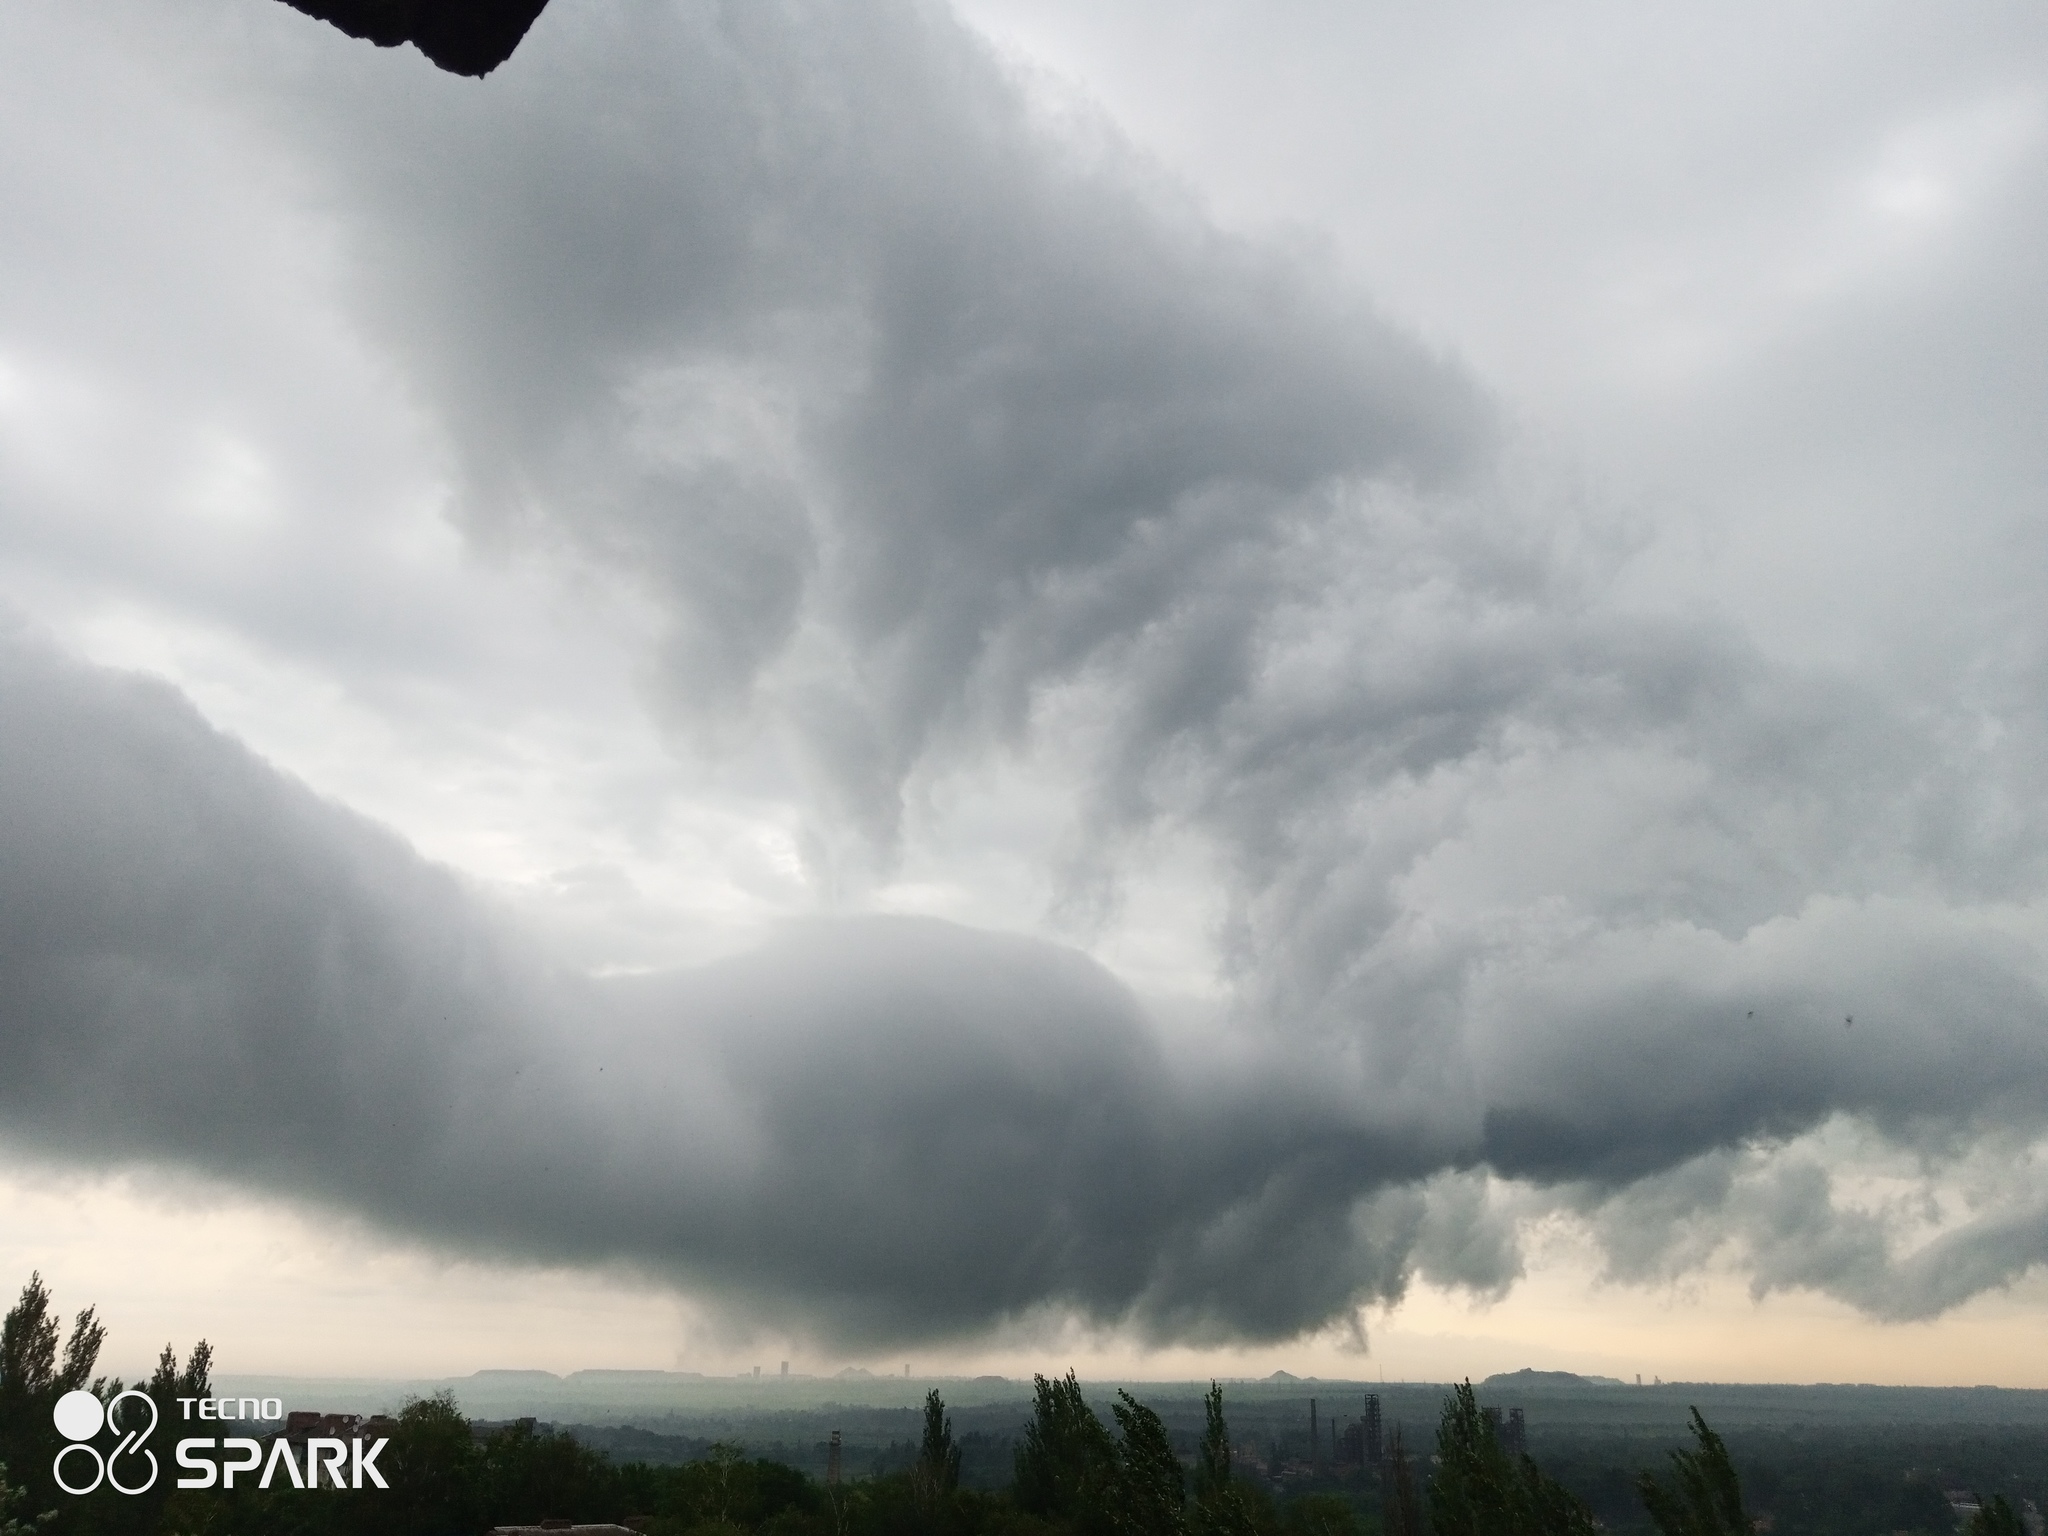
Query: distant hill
(1283, 1376)
(1528, 1380)
(600, 1377)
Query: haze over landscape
(1186, 689)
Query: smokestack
(1315, 1441)
(832, 1462)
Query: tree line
(1073, 1475)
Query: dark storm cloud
(934, 434)
(878, 1129)
(885, 1128)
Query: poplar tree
(1220, 1508)
(1707, 1497)
(1066, 1459)
(1477, 1489)
(937, 1473)
(1149, 1497)
(1400, 1503)
(33, 1375)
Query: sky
(1179, 690)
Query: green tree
(1477, 1489)
(143, 1514)
(28, 1347)
(1221, 1508)
(1212, 1457)
(529, 1475)
(1148, 1496)
(1400, 1502)
(33, 1375)
(1707, 1498)
(719, 1488)
(10, 1497)
(1995, 1517)
(936, 1476)
(1066, 1459)
(435, 1469)
(1319, 1514)
(168, 1382)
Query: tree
(937, 1474)
(1149, 1497)
(1066, 1459)
(1477, 1489)
(1319, 1514)
(10, 1496)
(33, 1376)
(167, 1383)
(1219, 1508)
(1212, 1459)
(1400, 1503)
(1707, 1500)
(28, 1347)
(435, 1469)
(1995, 1517)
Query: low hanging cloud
(938, 435)
(876, 1129)
(885, 1127)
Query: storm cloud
(893, 1127)
(886, 1128)
(944, 438)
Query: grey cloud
(819, 338)
(1054, 436)
(1608, 1073)
(879, 1128)
(1780, 1215)
(1986, 1254)
(924, 429)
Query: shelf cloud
(943, 437)
(897, 1128)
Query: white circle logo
(79, 1415)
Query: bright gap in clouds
(834, 482)
(314, 1298)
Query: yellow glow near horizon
(283, 1291)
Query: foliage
(1707, 1500)
(1066, 1460)
(34, 1373)
(1075, 1476)
(10, 1497)
(1148, 1496)
(1319, 1514)
(1995, 1517)
(1477, 1489)
(1212, 1458)
(936, 1477)
(1400, 1503)
(1221, 1507)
